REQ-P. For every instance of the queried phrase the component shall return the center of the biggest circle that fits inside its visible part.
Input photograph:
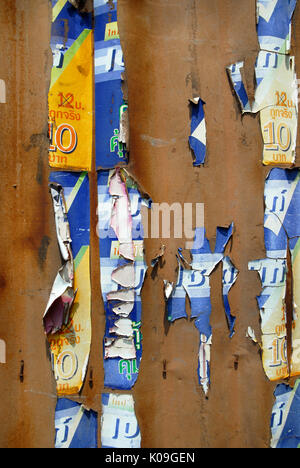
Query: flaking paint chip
(2, 92)
(2, 352)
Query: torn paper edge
(76, 426)
(202, 264)
(250, 333)
(271, 302)
(62, 295)
(113, 71)
(279, 155)
(122, 301)
(197, 139)
(279, 187)
(158, 256)
(119, 425)
(228, 266)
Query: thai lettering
(115, 144)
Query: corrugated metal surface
(172, 50)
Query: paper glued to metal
(110, 105)
(70, 97)
(282, 232)
(70, 346)
(194, 281)
(123, 271)
(119, 426)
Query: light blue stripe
(101, 7)
(105, 45)
(111, 76)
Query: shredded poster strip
(123, 271)
(63, 294)
(75, 426)
(110, 105)
(70, 97)
(282, 232)
(194, 281)
(70, 347)
(197, 140)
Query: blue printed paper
(70, 346)
(119, 426)
(109, 102)
(121, 278)
(285, 420)
(276, 96)
(75, 426)
(197, 139)
(281, 232)
(193, 281)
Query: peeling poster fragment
(282, 231)
(123, 271)
(273, 316)
(276, 95)
(70, 97)
(274, 23)
(63, 294)
(75, 426)
(70, 347)
(110, 105)
(119, 426)
(229, 277)
(285, 420)
(193, 281)
(158, 257)
(197, 140)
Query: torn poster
(70, 347)
(75, 426)
(274, 24)
(282, 231)
(276, 99)
(250, 333)
(197, 140)
(119, 426)
(273, 316)
(123, 271)
(80, 4)
(110, 105)
(63, 294)
(193, 281)
(285, 420)
(70, 96)
(276, 96)
(229, 277)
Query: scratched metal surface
(172, 49)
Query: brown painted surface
(173, 50)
